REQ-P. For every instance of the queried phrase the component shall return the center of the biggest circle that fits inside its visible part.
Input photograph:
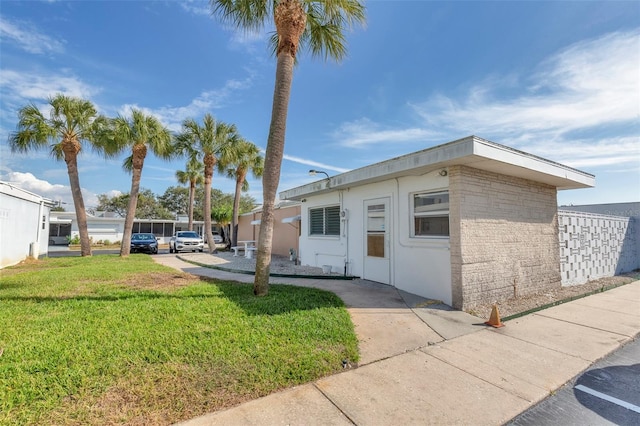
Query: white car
(186, 241)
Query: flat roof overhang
(56, 221)
(471, 151)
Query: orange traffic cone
(494, 319)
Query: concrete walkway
(422, 363)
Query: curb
(239, 271)
(560, 302)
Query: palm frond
(248, 15)
(127, 164)
(33, 131)
(327, 22)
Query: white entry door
(376, 240)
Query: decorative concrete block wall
(593, 246)
(503, 237)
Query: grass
(127, 341)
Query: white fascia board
(17, 192)
(505, 160)
(413, 164)
(471, 151)
(56, 220)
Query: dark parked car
(144, 243)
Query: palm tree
(248, 160)
(194, 176)
(212, 139)
(71, 122)
(222, 215)
(140, 132)
(319, 25)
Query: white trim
(292, 219)
(471, 151)
(439, 213)
(56, 221)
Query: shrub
(74, 240)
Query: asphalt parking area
(607, 393)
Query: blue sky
(556, 79)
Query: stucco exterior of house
(286, 228)
(24, 224)
(467, 222)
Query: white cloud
(27, 37)
(240, 39)
(40, 187)
(113, 193)
(197, 7)
(19, 87)
(592, 153)
(590, 88)
(254, 42)
(55, 192)
(315, 164)
(173, 117)
(588, 85)
(363, 133)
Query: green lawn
(110, 340)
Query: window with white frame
(430, 211)
(324, 221)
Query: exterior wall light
(314, 172)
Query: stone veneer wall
(504, 237)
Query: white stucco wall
(417, 265)
(24, 225)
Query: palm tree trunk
(139, 152)
(70, 158)
(272, 164)
(209, 162)
(236, 210)
(192, 197)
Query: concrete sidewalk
(424, 364)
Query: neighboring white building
(467, 222)
(631, 209)
(24, 224)
(104, 227)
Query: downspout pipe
(345, 231)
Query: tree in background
(116, 204)
(248, 160)
(140, 133)
(147, 207)
(72, 122)
(317, 24)
(222, 215)
(213, 140)
(176, 199)
(194, 176)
